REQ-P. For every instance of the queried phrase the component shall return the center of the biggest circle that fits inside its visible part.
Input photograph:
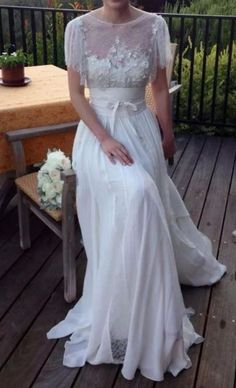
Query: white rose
(40, 177)
(50, 193)
(53, 201)
(55, 155)
(49, 176)
(44, 168)
(47, 187)
(65, 163)
(54, 174)
(59, 199)
(52, 164)
(40, 182)
(44, 179)
(58, 186)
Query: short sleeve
(74, 48)
(161, 45)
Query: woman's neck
(121, 15)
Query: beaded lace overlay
(117, 55)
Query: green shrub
(49, 42)
(205, 7)
(208, 85)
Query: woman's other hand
(169, 146)
(163, 111)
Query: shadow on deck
(31, 286)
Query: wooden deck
(31, 287)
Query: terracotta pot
(13, 74)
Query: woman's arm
(82, 106)
(161, 97)
(110, 146)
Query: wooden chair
(61, 221)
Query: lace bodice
(117, 55)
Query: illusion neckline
(117, 24)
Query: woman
(138, 236)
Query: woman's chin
(116, 3)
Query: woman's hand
(114, 149)
(168, 144)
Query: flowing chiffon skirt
(140, 243)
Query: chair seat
(28, 184)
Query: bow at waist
(127, 100)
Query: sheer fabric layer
(117, 55)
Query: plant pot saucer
(25, 82)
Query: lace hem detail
(118, 348)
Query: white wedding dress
(139, 238)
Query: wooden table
(44, 101)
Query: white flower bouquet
(50, 185)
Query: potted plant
(12, 64)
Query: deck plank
(218, 359)
(11, 250)
(201, 177)
(53, 370)
(182, 141)
(185, 168)
(96, 376)
(31, 261)
(53, 373)
(211, 223)
(19, 318)
(8, 226)
(35, 348)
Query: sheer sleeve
(74, 48)
(161, 45)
